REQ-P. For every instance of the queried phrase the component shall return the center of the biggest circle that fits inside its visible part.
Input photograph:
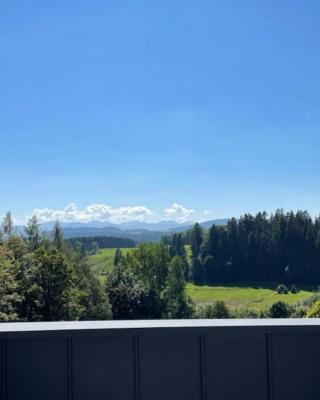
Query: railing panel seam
(4, 369)
(70, 368)
(136, 367)
(269, 365)
(203, 373)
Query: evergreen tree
(7, 225)
(57, 236)
(117, 257)
(33, 233)
(196, 240)
(197, 270)
(177, 248)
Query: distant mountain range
(139, 231)
(161, 226)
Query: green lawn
(102, 261)
(242, 296)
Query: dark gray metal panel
(37, 369)
(295, 366)
(103, 368)
(157, 360)
(236, 365)
(170, 366)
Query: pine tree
(197, 270)
(57, 236)
(7, 225)
(117, 257)
(33, 233)
(196, 240)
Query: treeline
(283, 247)
(44, 279)
(92, 244)
(47, 279)
(148, 283)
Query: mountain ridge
(139, 231)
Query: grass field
(243, 296)
(102, 261)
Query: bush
(314, 311)
(298, 311)
(246, 313)
(217, 310)
(293, 289)
(279, 309)
(309, 301)
(282, 289)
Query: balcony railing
(161, 360)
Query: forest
(93, 243)
(48, 278)
(282, 247)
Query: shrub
(298, 311)
(282, 289)
(217, 310)
(246, 313)
(293, 289)
(279, 309)
(309, 301)
(314, 311)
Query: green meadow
(246, 296)
(238, 296)
(102, 261)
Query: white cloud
(107, 213)
(207, 212)
(205, 215)
(93, 212)
(178, 213)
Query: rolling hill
(138, 231)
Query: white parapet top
(150, 324)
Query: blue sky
(208, 105)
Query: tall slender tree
(117, 257)
(33, 233)
(57, 236)
(7, 225)
(196, 240)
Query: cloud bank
(178, 213)
(116, 215)
(93, 212)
